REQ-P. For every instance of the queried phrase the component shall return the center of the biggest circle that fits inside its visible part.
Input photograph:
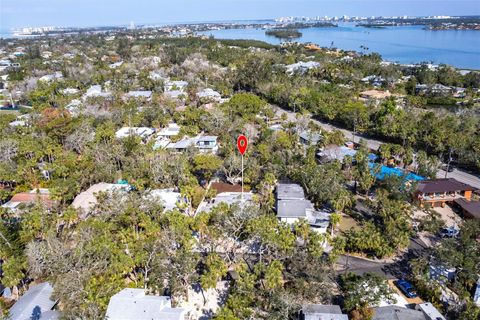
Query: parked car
(450, 232)
(407, 288)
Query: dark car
(450, 232)
(407, 288)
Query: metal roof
(290, 192)
(140, 94)
(337, 153)
(397, 313)
(293, 208)
(134, 304)
(33, 303)
(323, 312)
(430, 311)
(310, 137)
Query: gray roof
(182, 144)
(33, 303)
(319, 219)
(228, 198)
(290, 192)
(323, 312)
(336, 153)
(134, 304)
(50, 315)
(207, 138)
(430, 311)
(293, 208)
(310, 137)
(476, 297)
(397, 313)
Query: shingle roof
(443, 185)
(33, 303)
(87, 199)
(472, 207)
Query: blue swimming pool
(387, 171)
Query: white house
(96, 91)
(228, 198)
(139, 94)
(171, 130)
(157, 76)
(207, 144)
(135, 304)
(20, 121)
(292, 206)
(301, 67)
(51, 77)
(169, 198)
(115, 65)
(204, 144)
(162, 139)
(74, 107)
(70, 91)
(175, 85)
(209, 94)
(142, 132)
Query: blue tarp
(387, 171)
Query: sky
(34, 13)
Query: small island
(284, 33)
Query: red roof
(27, 197)
(225, 187)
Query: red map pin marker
(242, 144)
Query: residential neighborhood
(157, 172)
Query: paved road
(461, 176)
(347, 263)
(391, 270)
(373, 144)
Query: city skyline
(75, 13)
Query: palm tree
(335, 219)
(339, 203)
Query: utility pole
(448, 162)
